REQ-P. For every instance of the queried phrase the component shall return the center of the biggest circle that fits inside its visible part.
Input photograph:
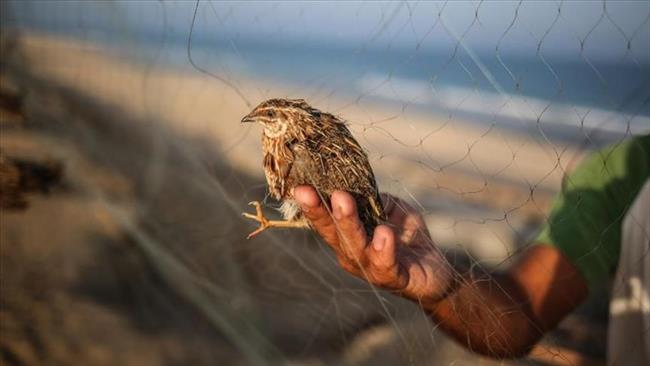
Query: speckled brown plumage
(303, 145)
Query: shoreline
(412, 153)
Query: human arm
(500, 315)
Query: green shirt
(586, 218)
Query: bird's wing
(359, 171)
(276, 170)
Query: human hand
(400, 257)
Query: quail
(305, 146)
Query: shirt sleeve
(586, 217)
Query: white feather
(289, 209)
(275, 130)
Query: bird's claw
(259, 217)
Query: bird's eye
(270, 114)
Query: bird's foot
(266, 223)
(259, 217)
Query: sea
(565, 99)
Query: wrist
(448, 281)
(443, 280)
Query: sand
(465, 177)
(402, 144)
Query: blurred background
(124, 167)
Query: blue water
(621, 86)
(562, 97)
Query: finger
(384, 269)
(398, 211)
(381, 252)
(350, 229)
(306, 196)
(317, 214)
(413, 227)
(407, 221)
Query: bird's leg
(265, 223)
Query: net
(474, 113)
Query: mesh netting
(474, 113)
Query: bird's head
(280, 117)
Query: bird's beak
(247, 119)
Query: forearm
(489, 315)
(505, 315)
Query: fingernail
(306, 204)
(378, 244)
(347, 210)
(338, 212)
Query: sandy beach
(157, 169)
(434, 162)
(197, 105)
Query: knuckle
(327, 232)
(391, 278)
(318, 215)
(352, 233)
(378, 262)
(348, 240)
(383, 266)
(351, 222)
(355, 256)
(347, 265)
(383, 280)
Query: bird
(304, 146)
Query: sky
(617, 30)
